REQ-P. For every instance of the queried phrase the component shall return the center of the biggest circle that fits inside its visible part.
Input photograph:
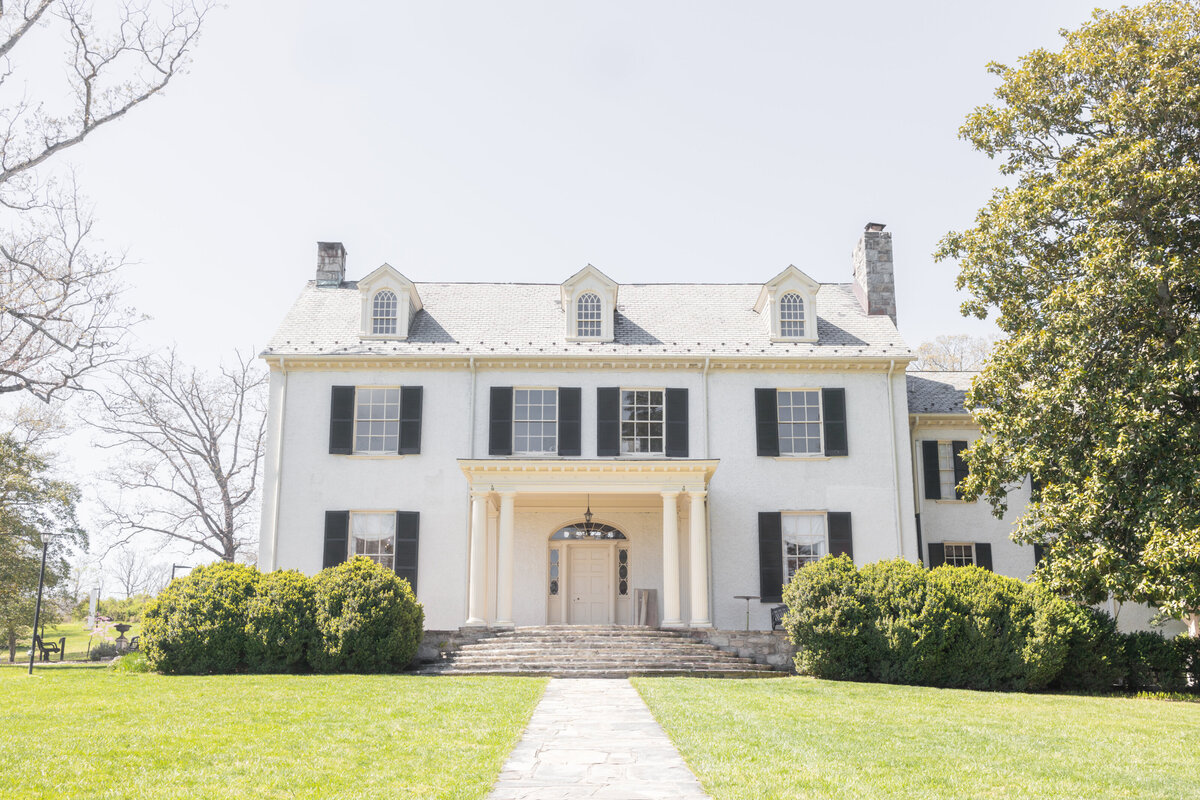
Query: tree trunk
(12, 645)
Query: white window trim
(525, 453)
(783, 541)
(605, 317)
(663, 452)
(350, 532)
(805, 305)
(381, 454)
(946, 501)
(820, 455)
(403, 313)
(974, 555)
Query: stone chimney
(874, 282)
(331, 263)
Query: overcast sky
(518, 141)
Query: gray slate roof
(510, 319)
(938, 392)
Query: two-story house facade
(591, 452)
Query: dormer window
(588, 316)
(383, 313)
(791, 316)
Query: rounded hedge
(367, 619)
(281, 623)
(197, 625)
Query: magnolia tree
(1089, 257)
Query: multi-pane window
(535, 421)
(554, 571)
(791, 315)
(588, 315)
(373, 534)
(960, 555)
(383, 313)
(946, 469)
(804, 541)
(623, 572)
(799, 422)
(642, 421)
(377, 420)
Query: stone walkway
(595, 738)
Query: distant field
(77, 640)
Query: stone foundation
(763, 647)
(438, 645)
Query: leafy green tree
(32, 506)
(1090, 257)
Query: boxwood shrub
(281, 623)
(368, 620)
(197, 625)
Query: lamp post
(177, 566)
(37, 608)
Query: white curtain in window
(373, 527)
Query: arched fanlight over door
(586, 531)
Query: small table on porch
(747, 598)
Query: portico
(533, 561)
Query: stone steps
(609, 651)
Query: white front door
(590, 585)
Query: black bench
(46, 650)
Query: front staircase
(608, 651)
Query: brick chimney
(874, 281)
(331, 263)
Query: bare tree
(952, 353)
(131, 571)
(190, 450)
(59, 312)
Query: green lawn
(804, 738)
(77, 640)
(82, 733)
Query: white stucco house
(602, 452)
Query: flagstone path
(594, 738)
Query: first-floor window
(373, 534)
(960, 555)
(946, 469)
(377, 419)
(642, 415)
(804, 541)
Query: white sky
(518, 141)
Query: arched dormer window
(383, 313)
(589, 316)
(791, 315)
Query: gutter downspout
(712, 589)
(470, 454)
(706, 426)
(278, 466)
(895, 459)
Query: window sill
(589, 339)
(383, 337)
(954, 502)
(376, 456)
(802, 458)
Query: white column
(504, 578)
(699, 561)
(670, 602)
(476, 597)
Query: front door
(590, 586)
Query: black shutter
(408, 524)
(1035, 489)
(766, 417)
(608, 422)
(341, 420)
(920, 547)
(960, 468)
(337, 538)
(770, 556)
(983, 555)
(500, 428)
(937, 554)
(840, 538)
(676, 444)
(411, 401)
(833, 406)
(1039, 552)
(933, 478)
(570, 422)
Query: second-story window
(799, 422)
(383, 313)
(641, 421)
(791, 315)
(588, 321)
(535, 421)
(377, 420)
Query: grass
(77, 640)
(805, 738)
(98, 734)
